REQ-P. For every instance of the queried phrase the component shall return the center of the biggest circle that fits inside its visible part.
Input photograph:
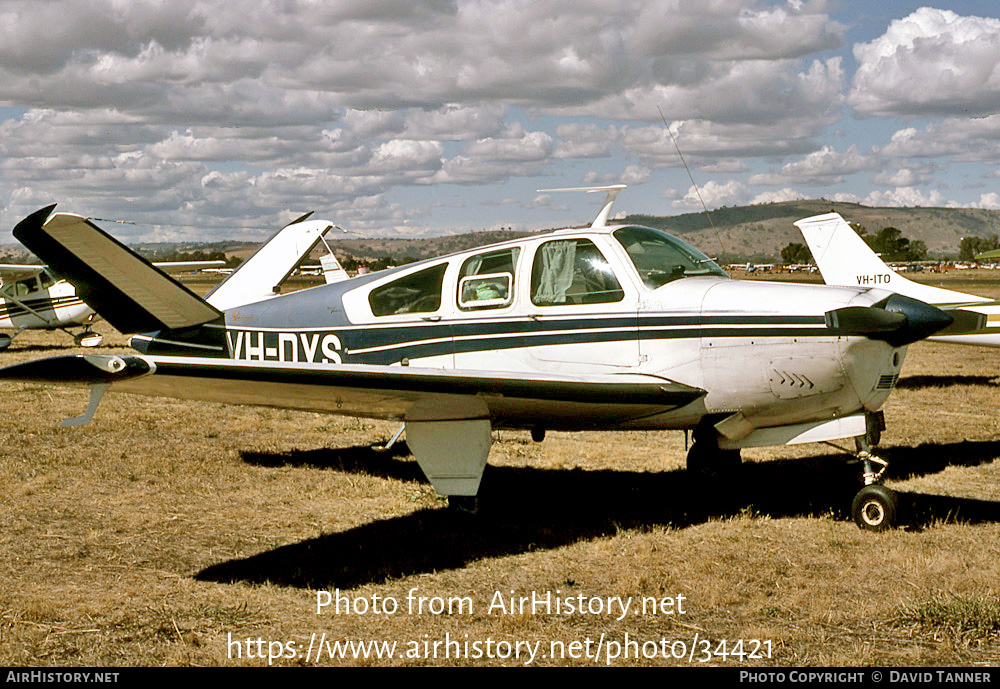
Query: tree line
(888, 242)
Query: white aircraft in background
(33, 297)
(604, 327)
(329, 267)
(844, 258)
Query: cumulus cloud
(705, 142)
(990, 200)
(197, 111)
(844, 197)
(822, 167)
(931, 62)
(961, 139)
(907, 197)
(903, 177)
(726, 166)
(714, 194)
(778, 196)
(633, 174)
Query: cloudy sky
(200, 119)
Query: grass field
(171, 533)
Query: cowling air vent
(887, 381)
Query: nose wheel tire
(874, 508)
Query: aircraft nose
(897, 320)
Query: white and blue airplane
(33, 297)
(843, 258)
(601, 327)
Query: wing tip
(33, 221)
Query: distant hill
(746, 232)
(762, 230)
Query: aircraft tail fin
(125, 289)
(845, 259)
(332, 270)
(260, 275)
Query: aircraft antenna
(697, 191)
(322, 236)
(120, 222)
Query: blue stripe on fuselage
(388, 344)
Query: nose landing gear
(874, 506)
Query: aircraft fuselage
(761, 351)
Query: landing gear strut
(874, 506)
(706, 459)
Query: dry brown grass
(151, 535)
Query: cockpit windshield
(661, 258)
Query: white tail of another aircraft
(845, 259)
(332, 270)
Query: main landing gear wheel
(874, 508)
(88, 339)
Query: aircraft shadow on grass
(525, 509)
(931, 381)
(46, 348)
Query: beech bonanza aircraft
(32, 297)
(606, 327)
(844, 258)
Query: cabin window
(660, 258)
(486, 281)
(23, 288)
(572, 271)
(416, 293)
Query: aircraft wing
(16, 271)
(387, 392)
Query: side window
(572, 271)
(416, 293)
(24, 287)
(486, 281)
